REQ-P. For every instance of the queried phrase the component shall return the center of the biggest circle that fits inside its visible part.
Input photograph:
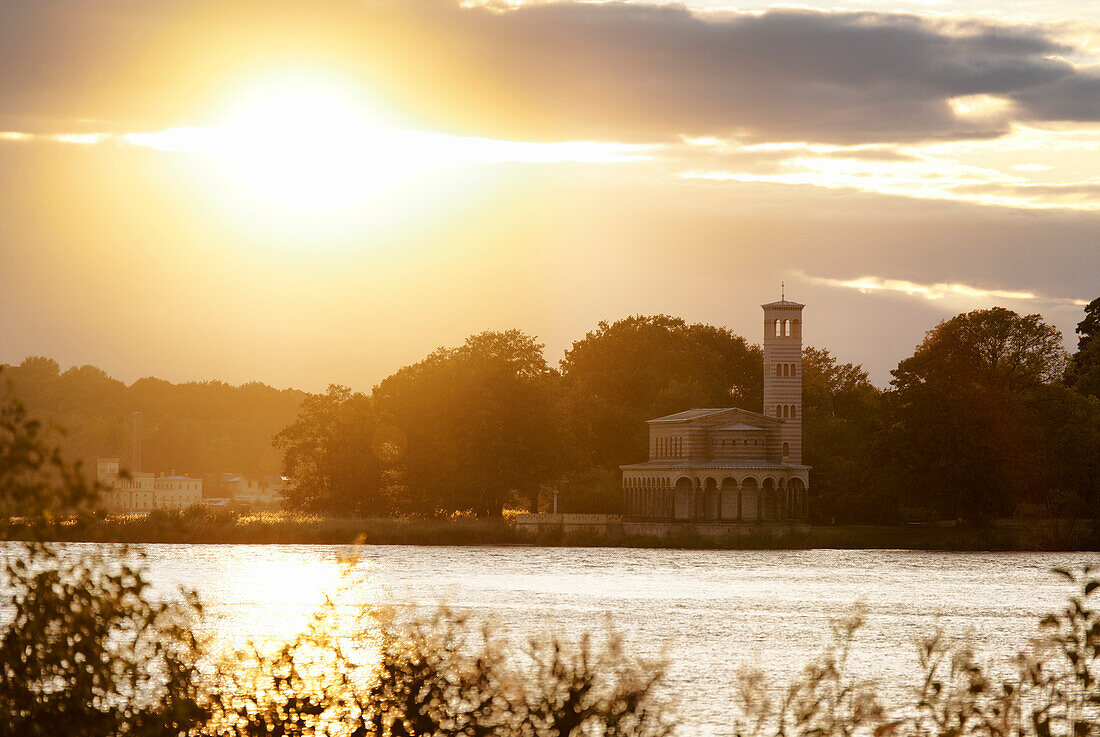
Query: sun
(306, 158)
(308, 144)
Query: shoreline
(189, 527)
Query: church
(727, 465)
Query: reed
(203, 526)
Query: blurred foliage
(1050, 690)
(435, 676)
(85, 649)
(824, 701)
(89, 651)
(37, 485)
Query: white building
(140, 493)
(256, 494)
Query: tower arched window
(778, 328)
(786, 409)
(786, 369)
(794, 369)
(778, 411)
(787, 328)
(777, 369)
(786, 449)
(794, 409)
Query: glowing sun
(308, 145)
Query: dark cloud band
(611, 71)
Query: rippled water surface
(709, 612)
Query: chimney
(137, 442)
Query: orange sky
(305, 194)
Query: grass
(204, 527)
(200, 526)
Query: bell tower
(783, 373)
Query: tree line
(989, 417)
(201, 428)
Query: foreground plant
(438, 676)
(1052, 690)
(86, 649)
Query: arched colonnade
(716, 497)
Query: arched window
(786, 409)
(786, 449)
(786, 369)
(787, 328)
(794, 409)
(778, 328)
(778, 411)
(777, 369)
(794, 369)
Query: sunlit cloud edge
(939, 291)
(445, 150)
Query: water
(709, 612)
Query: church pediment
(714, 415)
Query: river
(708, 612)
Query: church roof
(698, 414)
(691, 414)
(739, 426)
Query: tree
(1090, 326)
(336, 455)
(1065, 479)
(841, 420)
(638, 368)
(1084, 372)
(960, 440)
(477, 423)
(201, 428)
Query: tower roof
(783, 303)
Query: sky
(323, 192)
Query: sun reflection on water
(283, 592)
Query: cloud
(949, 292)
(984, 173)
(624, 71)
(560, 71)
(434, 149)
